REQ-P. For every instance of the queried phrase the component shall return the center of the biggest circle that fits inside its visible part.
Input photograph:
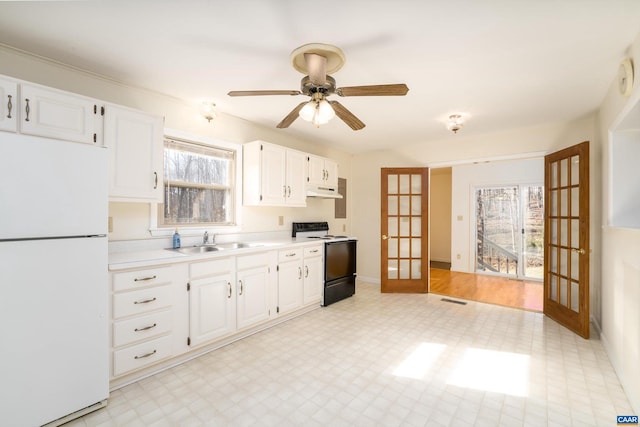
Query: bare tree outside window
(198, 184)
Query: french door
(404, 228)
(566, 260)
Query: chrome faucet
(205, 238)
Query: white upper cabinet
(56, 114)
(135, 142)
(273, 175)
(322, 172)
(8, 105)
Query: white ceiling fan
(317, 61)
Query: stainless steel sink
(197, 249)
(235, 245)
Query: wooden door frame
(407, 285)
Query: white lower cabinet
(313, 274)
(159, 315)
(148, 317)
(252, 286)
(290, 290)
(212, 300)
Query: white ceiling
(501, 63)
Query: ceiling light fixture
(455, 123)
(207, 110)
(317, 111)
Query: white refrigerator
(54, 342)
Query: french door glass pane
(404, 184)
(533, 256)
(392, 183)
(416, 184)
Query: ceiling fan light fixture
(317, 111)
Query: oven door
(339, 260)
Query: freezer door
(51, 188)
(53, 327)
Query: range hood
(323, 192)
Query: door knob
(385, 237)
(580, 251)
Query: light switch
(110, 224)
(459, 218)
(280, 220)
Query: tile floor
(386, 360)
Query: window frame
(157, 229)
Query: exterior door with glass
(404, 228)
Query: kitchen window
(199, 185)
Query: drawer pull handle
(306, 271)
(241, 287)
(155, 182)
(27, 109)
(144, 278)
(315, 251)
(229, 284)
(146, 301)
(9, 107)
(146, 355)
(290, 254)
(146, 328)
(299, 273)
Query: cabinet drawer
(142, 301)
(143, 327)
(141, 355)
(311, 251)
(289, 255)
(210, 268)
(140, 278)
(250, 261)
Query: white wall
(619, 295)
(465, 179)
(131, 220)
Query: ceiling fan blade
(347, 116)
(291, 117)
(374, 90)
(263, 92)
(317, 66)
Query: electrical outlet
(459, 217)
(344, 228)
(110, 224)
(459, 256)
(280, 220)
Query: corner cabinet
(273, 175)
(135, 143)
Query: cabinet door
(56, 114)
(313, 280)
(211, 308)
(135, 143)
(273, 164)
(331, 173)
(253, 296)
(289, 286)
(8, 105)
(315, 170)
(296, 178)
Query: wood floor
(489, 289)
